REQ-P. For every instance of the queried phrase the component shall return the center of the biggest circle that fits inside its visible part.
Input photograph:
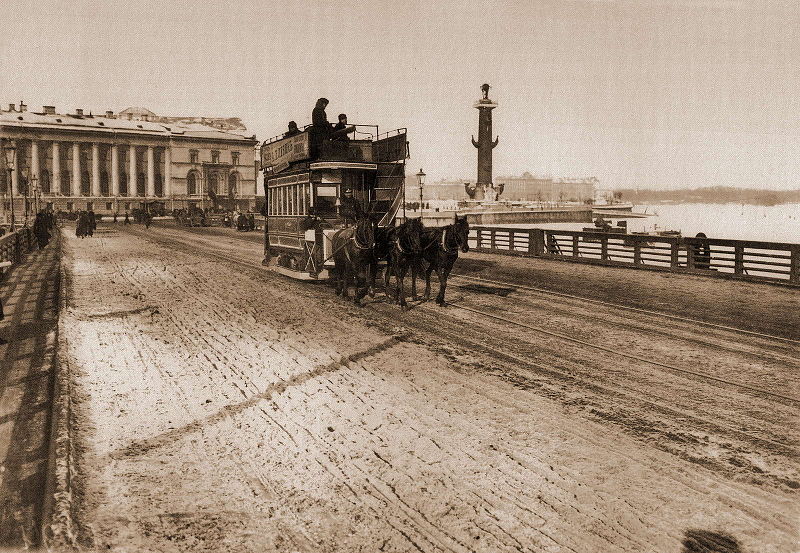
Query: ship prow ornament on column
(484, 190)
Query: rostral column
(484, 190)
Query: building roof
(112, 125)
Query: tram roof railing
(361, 132)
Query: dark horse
(440, 249)
(405, 248)
(353, 249)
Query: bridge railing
(745, 259)
(16, 244)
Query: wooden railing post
(479, 239)
(690, 255)
(492, 238)
(511, 246)
(536, 241)
(674, 251)
(575, 245)
(604, 248)
(794, 264)
(637, 252)
(738, 260)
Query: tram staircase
(389, 154)
(388, 191)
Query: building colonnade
(126, 173)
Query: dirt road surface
(220, 408)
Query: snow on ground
(218, 413)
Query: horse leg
(414, 272)
(361, 282)
(443, 274)
(401, 274)
(428, 272)
(387, 275)
(373, 269)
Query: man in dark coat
(40, 229)
(92, 223)
(127, 218)
(320, 128)
(349, 208)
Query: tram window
(326, 201)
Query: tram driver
(349, 208)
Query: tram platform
(30, 295)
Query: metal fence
(16, 244)
(744, 259)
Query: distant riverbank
(712, 195)
(777, 223)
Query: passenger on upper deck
(320, 127)
(319, 119)
(293, 130)
(340, 130)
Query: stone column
(34, 163)
(76, 169)
(56, 180)
(95, 169)
(15, 175)
(167, 172)
(151, 172)
(114, 170)
(132, 170)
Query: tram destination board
(283, 152)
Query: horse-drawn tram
(311, 175)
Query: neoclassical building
(117, 162)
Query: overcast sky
(654, 93)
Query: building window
(159, 185)
(127, 205)
(194, 155)
(213, 181)
(89, 206)
(109, 206)
(214, 156)
(86, 187)
(191, 183)
(123, 183)
(70, 206)
(235, 158)
(141, 187)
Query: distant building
(529, 187)
(117, 162)
(441, 190)
(525, 188)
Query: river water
(777, 223)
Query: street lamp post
(10, 151)
(25, 174)
(421, 182)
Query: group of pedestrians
(86, 224)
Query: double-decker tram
(305, 177)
